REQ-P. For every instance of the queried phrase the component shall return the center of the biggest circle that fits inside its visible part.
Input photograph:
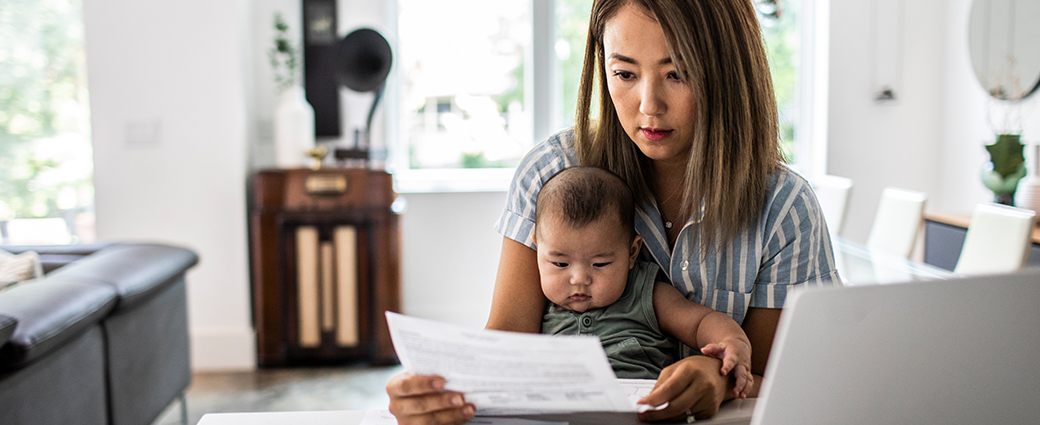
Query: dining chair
(998, 240)
(896, 221)
(832, 193)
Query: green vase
(1003, 187)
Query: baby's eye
(624, 75)
(560, 265)
(599, 265)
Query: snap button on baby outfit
(685, 265)
(586, 321)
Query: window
(45, 152)
(481, 82)
(796, 53)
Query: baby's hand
(736, 357)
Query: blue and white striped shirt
(788, 244)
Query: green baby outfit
(628, 328)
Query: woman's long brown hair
(717, 48)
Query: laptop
(960, 351)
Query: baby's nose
(580, 277)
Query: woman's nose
(651, 101)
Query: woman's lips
(655, 134)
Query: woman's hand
(423, 400)
(692, 384)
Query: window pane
(572, 26)
(780, 31)
(45, 152)
(464, 63)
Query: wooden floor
(278, 390)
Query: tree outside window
(45, 152)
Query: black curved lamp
(363, 60)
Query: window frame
(810, 136)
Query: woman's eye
(624, 75)
(560, 265)
(599, 265)
(674, 76)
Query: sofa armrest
(50, 312)
(135, 271)
(7, 325)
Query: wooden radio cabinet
(325, 263)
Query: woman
(687, 117)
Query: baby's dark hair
(581, 195)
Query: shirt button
(586, 321)
(685, 265)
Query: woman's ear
(637, 243)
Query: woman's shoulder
(546, 159)
(786, 180)
(787, 193)
(538, 166)
(558, 147)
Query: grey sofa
(101, 339)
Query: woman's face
(655, 106)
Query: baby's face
(584, 268)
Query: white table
(858, 265)
(732, 412)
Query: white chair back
(998, 240)
(896, 221)
(832, 192)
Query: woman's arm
(760, 326)
(518, 302)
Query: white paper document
(509, 373)
(384, 417)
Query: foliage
(283, 55)
(781, 39)
(44, 121)
(1006, 154)
(572, 29)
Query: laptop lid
(937, 352)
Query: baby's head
(586, 238)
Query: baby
(587, 248)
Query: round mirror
(1004, 38)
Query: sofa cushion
(136, 271)
(17, 268)
(49, 313)
(7, 325)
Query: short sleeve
(541, 163)
(796, 244)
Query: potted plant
(294, 117)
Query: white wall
(196, 74)
(885, 144)
(450, 251)
(168, 113)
